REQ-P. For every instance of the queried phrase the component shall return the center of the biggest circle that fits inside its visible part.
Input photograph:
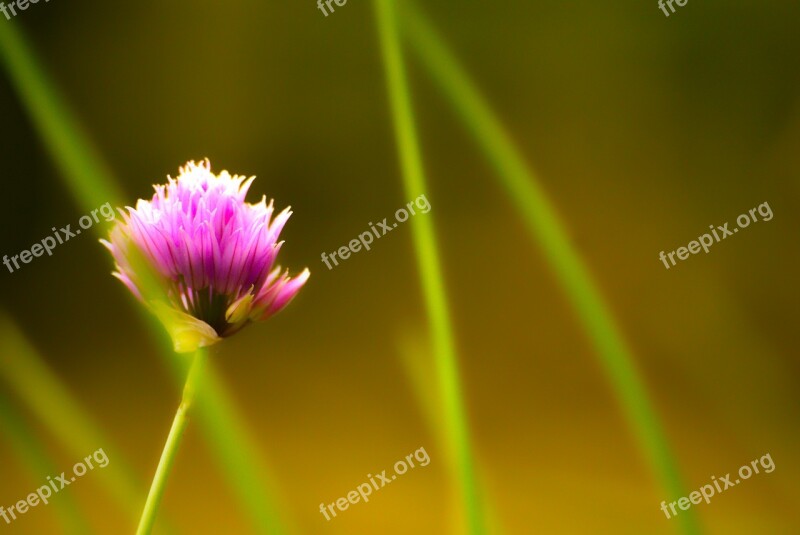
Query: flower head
(210, 252)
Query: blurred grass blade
(417, 362)
(449, 388)
(29, 450)
(45, 396)
(546, 229)
(226, 433)
(93, 185)
(91, 182)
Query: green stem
(58, 127)
(87, 177)
(447, 373)
(548, 231)
(171, 447)
(31, 451)
(25, 373)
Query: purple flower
(211, 253)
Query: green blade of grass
(30, 451)
(447, 373)
(90, 181)
(415, 357)
(93, 185)
(548, 232)
(46, 397)
(254, 481)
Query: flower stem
(171, 447)
(25, 372)
(87, 178)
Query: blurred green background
(644, 131)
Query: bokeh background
(644, 130)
